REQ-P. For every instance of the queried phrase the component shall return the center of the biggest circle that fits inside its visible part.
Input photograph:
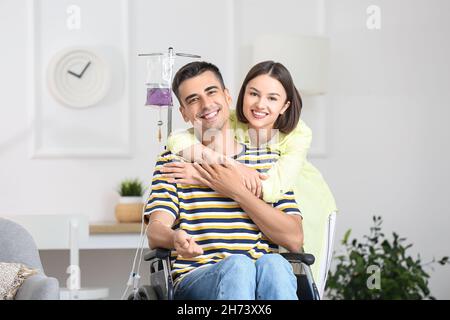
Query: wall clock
(78, 77)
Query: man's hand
(222, 178)
(185, 245)
(181, 172)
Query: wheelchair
(161, 285)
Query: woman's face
(264, 100)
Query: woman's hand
(251, 179)
(181, 172)
(221, 178)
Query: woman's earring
(286, 107)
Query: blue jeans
(238, 277)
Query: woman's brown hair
(287, 121)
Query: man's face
(203, 102)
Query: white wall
(387, 140)
(387, 123)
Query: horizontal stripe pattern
(218, 224)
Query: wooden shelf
(114, 227)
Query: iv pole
(171, 56)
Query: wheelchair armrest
(305, 258)
(159, 253)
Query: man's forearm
(160, 236)
(283, 229)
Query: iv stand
(171, 57)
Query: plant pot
(129, 209)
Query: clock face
(78, 77)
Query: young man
(226, 239)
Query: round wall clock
(78, 77)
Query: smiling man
(204, 101)
(225, 238)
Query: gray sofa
(17, 245)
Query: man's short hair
(192, 70)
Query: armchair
(17, 245)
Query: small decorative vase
(129, 209)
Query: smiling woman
(266, 103)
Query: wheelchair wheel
(144, 293)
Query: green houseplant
(131, 188)
(378, 268)
(129, 208)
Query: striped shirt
(216, 223)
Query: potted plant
(129, 208)
(378, 268)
